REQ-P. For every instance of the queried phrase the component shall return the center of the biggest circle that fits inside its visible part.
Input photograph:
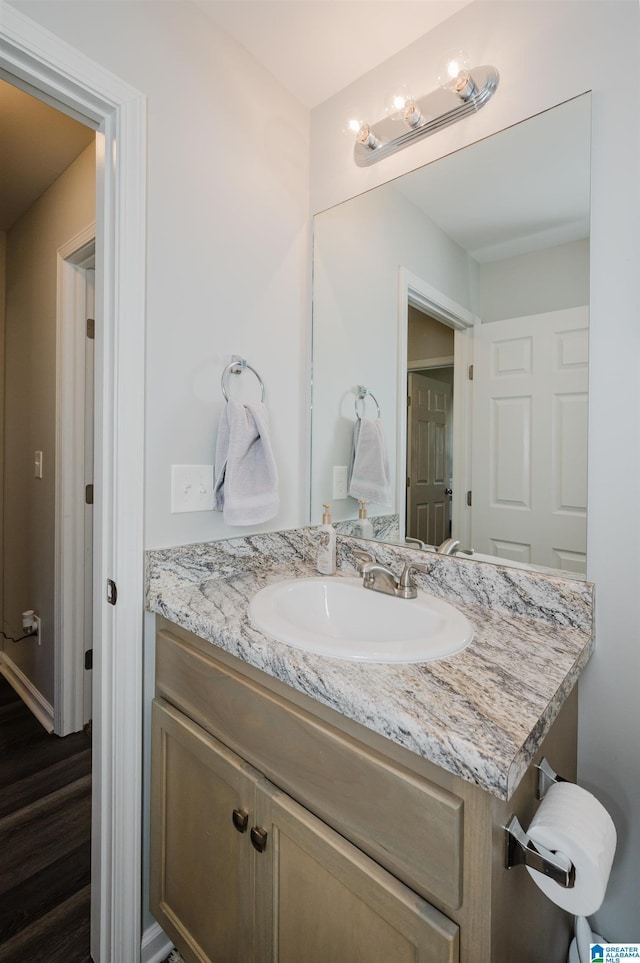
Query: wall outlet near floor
(31, 624)
(192, 488)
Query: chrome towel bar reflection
(237, 366)
(361, 394)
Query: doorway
(430, 406)
(46, 195)
(430, 472)
(433, 341)
(36, 60)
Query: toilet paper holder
(521, 851)
(546, 777)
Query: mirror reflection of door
(429, 428)
(429, 406)
(530, 441)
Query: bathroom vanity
(308, 809)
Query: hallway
(45, 839)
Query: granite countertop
(480, 714)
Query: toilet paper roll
(572, 822)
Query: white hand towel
(246, 487)
(370, 478)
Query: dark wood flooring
(45, 834)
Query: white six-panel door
(529, 461)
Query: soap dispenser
(362, 527)
(326, 561)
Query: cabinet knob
(259, 838)
(240, 820)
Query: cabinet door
(202, 867)
(321, 900)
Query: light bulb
(366, 136)
(396, 101)
(412, 115)
(354, 125)
(400, 105)
(454, 75)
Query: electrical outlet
(37, 625)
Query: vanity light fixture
(462, 91)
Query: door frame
(414, 290)
(69, 578)
(42, 64)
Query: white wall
(547, 53)
(548, 280)
(227, 259)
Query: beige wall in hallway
(3, 252)
(65, 209)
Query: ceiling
(510, 194)
(313, 47)
(317, 47)
(37, 143)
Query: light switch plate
(191, 488)
(340, 482)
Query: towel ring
(361, 394)
(237, 366)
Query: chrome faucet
(451, 546)
(421, 545)
(362, 559)
(381, 579)
(407, 588)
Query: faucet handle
(406, 584)
(362, 559)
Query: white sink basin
(336, 616)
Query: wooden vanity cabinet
(370, 855)
(243, 873)
(202, 872)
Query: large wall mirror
(450, 315)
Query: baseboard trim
(156, 945)
(32, 697)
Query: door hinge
(91, 329)
(408, 482)
(88, 494)
(408, 401)
(469, 499)
(88, 659)
(470, 372)
(112, 592)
